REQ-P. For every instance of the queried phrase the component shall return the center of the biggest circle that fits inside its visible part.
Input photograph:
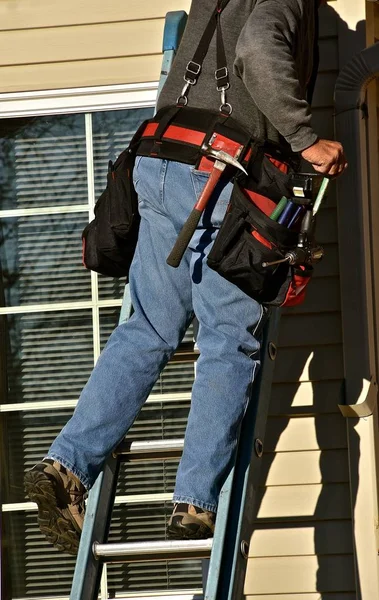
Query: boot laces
(76, 495)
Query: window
(55, 317)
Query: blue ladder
(227, 553)
(173, 32)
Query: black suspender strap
(222, 72)
(194, 66)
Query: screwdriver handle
(275, 262)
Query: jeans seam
(162, 182)
(259, 321)
(199, 503)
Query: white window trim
(71, 404)
(74, 100)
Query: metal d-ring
(272, 350)
(245, 549)
(182, 101)
(258, 447)
(226, 108)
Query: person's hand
(326, 157)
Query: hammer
(222, 160)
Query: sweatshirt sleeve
(266, 64)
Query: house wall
(80, 43)
(303, 540)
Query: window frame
(75, 100)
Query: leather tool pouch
(247, 239)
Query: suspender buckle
(192, 72)
(222, 78)
(221, 73)
(193, 67)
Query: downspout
(358, 222)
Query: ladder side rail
(253, 468)
(173, 32)
(88, 569)
(227, 567)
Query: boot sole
(55, 526)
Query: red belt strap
(195, 138)
(176, 134)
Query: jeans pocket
(199, 180)
(216, 208)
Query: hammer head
(223, 157)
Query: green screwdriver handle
(279, 209)
(320, 195)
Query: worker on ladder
(268, 47)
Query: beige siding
(51, 45)
(302, 546)
(296, 574)
(27, 14)
(335, 538)
(136, 69)
(338, 596)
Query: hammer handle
(192, 222)
(184, 238)
(209, 187)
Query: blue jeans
(165, 301)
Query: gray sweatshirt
(269, 48)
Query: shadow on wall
(322, 365)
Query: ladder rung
(153, 551)
(164, 596)
(154, 450)
(186, 352)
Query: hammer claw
(223, 157)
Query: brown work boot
(189, 522)
(59, 496)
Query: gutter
(358, 223)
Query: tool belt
(248, 237)
(181, 134)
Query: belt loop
(165, 121)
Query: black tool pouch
(247, 239)
(264, 176)
(109, 240)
